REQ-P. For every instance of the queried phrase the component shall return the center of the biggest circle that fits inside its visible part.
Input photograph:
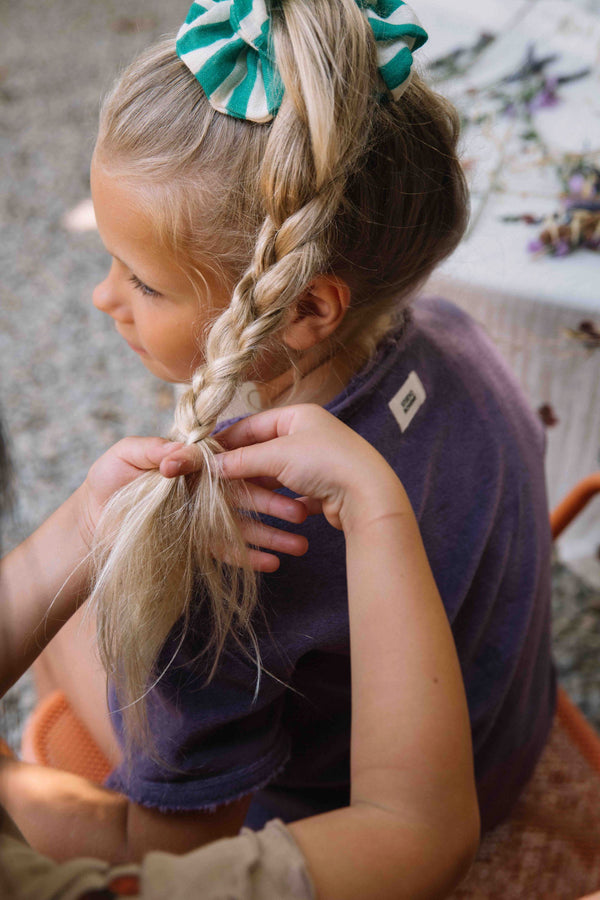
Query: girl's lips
(134, 347)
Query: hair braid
(285, 261)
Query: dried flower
(577, 224)
(587, 333)
(546, 95)
(581, 183)
(458, 61)
(526, 218)
(547, 415)
(519, 95)
(562, 234)
(535, 246)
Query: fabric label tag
(408, 401)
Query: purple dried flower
(544, 98)
(576, 183)
(561, 248)
(535, 246)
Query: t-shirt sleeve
(214, 742)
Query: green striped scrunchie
(226, 44)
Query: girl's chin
(161, 371)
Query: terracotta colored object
(55, 737)
(573, 503)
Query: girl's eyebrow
(131, 269)
(118, 258)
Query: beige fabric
(266, 865)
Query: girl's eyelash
(148, 291)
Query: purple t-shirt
(442, 408)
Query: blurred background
(524, 73)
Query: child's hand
(309, 451)
(123, 463)
(131, 457)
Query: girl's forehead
(127, 231)
(112, 187)
(119, 213)
(152, 213)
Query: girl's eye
(148, 291)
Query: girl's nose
(109, 297)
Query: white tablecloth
(532, 305)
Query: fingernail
(172, 467)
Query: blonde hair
(344, 181)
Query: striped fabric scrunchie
(226, 44)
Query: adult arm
(64, 816)
(412, 827)
(46, 578)
(42, 582)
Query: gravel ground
(69, 387)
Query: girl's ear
(318, 313)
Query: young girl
(273, 194)
(394, 837)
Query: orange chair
(573, 503)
